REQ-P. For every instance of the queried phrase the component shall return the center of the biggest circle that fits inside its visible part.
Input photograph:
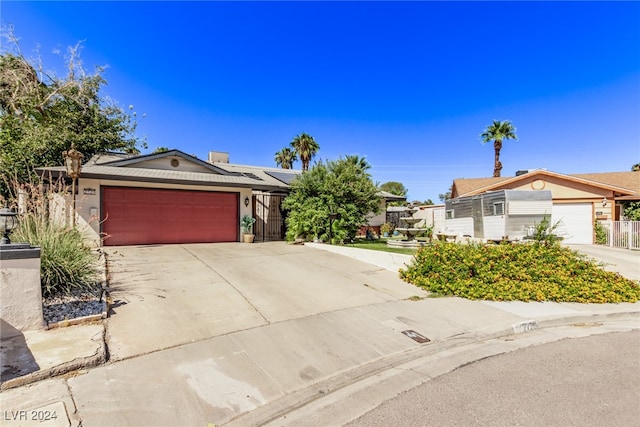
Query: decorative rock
(58, 308)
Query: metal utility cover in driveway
(416, 336)
(139, 216)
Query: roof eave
(145, 157)
(621, 190)
(56, 174)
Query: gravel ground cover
(67, 307)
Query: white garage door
(576, 222)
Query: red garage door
(141, 216)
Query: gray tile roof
(272, 176)
(122, 167)
(165, 176)
(390, 196)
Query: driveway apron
(169, 295)
(623, 261)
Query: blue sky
(408, 85)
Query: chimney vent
(218, 157)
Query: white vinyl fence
(622, 234)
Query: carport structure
(162, 198)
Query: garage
(142, 216)
(576, 222)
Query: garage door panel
(135, 216)
(575, 222)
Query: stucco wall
(561, 188)
(21, 302)
(376, 220)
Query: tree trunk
(497, 166)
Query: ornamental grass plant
(525, 272)
(66, 264)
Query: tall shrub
(66, 263)
(342, 187)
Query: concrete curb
(99, 357)
(298, 399)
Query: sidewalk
(259, 375)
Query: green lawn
(379, 245)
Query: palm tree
(497, 132)
(285, 158)
(360, 162)
(305, 147)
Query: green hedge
(526, 272)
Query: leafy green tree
(339, 187)
(446, 196)
(160, 150)
(635, 168)
(632, 211)
(285, 158)
(394, 187)
(42, 115)
(497, 132)
(305, 148)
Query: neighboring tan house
(578, 199)
(173, 197)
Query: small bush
(601, 233)
(545, 233)
(66, 264)
(526, 272)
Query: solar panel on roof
(282, 176)
(251, 175)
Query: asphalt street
(592, 381)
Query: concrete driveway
(623, 261)
(167, 295)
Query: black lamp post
(73, 164)
(8, 222)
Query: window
(448, 214)
(498, 208)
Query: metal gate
(622, 234)
(269, 217)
